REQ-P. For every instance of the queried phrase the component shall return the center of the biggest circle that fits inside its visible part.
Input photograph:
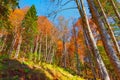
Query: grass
(12, 69)
(54, 72)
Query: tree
(64, 35)
(30, 29)
(87, 29)
(48, 35)
(115, 8)
(108, 47)
(109, 28)
(5, 8)
(76, 51)
(16, 18)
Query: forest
(53, 47)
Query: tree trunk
(76, 52)
(49, 51)
(31, 49)
(64, 53)
(107, 45)
(18, 47)
(40, 46)
(46, 47)
(115, 9)
(15, 35)
(93, 63)
(53, 53)
(101, 65)
(12, 44)
(36, 45)
(89, 51)
(3, 44)
(109, 28)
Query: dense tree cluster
(90, 49)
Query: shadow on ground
(15, 70)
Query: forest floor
(18, 69)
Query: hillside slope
(12, 69)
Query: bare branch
(66, 3)
(60, 10)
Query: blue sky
(45, 6)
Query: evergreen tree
(30, 27)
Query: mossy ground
(18, 69)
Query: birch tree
(115, 8)
(109, 28)
(101, 65)
(104, 36)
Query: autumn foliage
(83, 47)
